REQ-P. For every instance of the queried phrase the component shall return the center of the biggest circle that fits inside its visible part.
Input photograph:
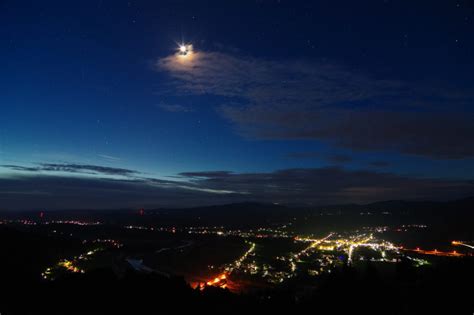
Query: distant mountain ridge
(379, 206)
(255, 212)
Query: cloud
(109, 157)
(78, 168)
(330, 185)
(126, 175)
(175, 108)
(438, 135)
(272, 83)
(214, 174)
(317, 186)
(55, 192)
(40, 191)
(20, 168)
(74, 168)
(291, 99)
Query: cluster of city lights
(77, 263)
(319, 256)
(171, 229)
(250, 233)
(72, 222)
(238, 263)
(30, 222)
(110, 242)
(69, 265)
(19, 221)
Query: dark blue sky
(278, 101)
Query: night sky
(312, 102)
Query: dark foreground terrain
(444, 289)
(49, 266)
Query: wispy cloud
(288, 99)
(74, 168)
(20, 168)
(109, 157)
(327, 185)
(331, 185)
